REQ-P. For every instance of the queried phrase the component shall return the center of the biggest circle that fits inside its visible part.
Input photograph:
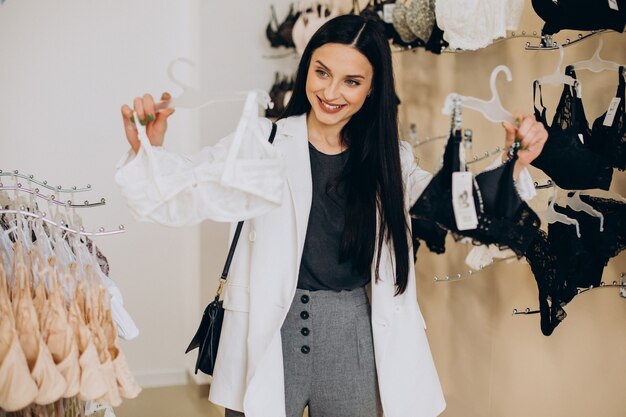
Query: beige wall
(493, 364)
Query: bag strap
(233, 245)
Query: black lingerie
(579, 262)
(282, 86)
(580, 15)
(606, 141)
(564, 158)
(282, 35)
(504, 219)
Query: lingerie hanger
(621, 285)
(44, 183)
(558, 77)
(492, 109)
(550, 215)
(472, 272)
(193, 98)
(549, 44)
(574, 202)
(596, 64)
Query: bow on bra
(282, 36)
(564, 158)
(504, 220)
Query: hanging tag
(613, 5)
(479, 257)
(463, 201)
(581, 138)
(610, 113)
(388, 12)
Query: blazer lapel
(298, 167)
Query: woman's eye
(352, 83)
(321, 73)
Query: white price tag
(610, 113)
(463, 201)
(388, 12)
(613, 5)
(581, 138)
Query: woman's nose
(331, 92)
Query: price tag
(388, 12)
(463, 201)
(610, 113)
(581, 138)
(613, 5)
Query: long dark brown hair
(372, 174)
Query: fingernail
(142, 122)
(132, 119)
(150, 118)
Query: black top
(320, 268)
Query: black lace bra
(504, 219)
(282, 35)
(564, 158)
(606, 141)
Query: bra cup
(400, 25)
(112, 394)
(92, 382)
(49, 380)
(126, 383)
(70, 369)
(420, 18)
(17, 387)
(316, 21)
(499, 195)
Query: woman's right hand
(155, 123)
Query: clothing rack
(549, 44)
(44, 183)
(464, 275)
(42, 216)
(51, 198)
(614, 284)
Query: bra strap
(539, 115)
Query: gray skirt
(328, 356)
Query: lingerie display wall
(60, 312)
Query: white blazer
(243, 177)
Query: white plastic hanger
(550, 215)
(193, 98)
(492, 109)
(557, 77)
(575, 203)
(597, 64)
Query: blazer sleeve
(240, 177)
(415, 178)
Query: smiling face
(338, 82)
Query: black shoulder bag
(207, 336)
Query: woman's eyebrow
(328, 70)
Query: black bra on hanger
(282, 35)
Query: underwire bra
(282, 36)
(504, 220)
(570, 164)
(606, 141)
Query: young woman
(327, 208)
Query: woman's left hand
(532, 135)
